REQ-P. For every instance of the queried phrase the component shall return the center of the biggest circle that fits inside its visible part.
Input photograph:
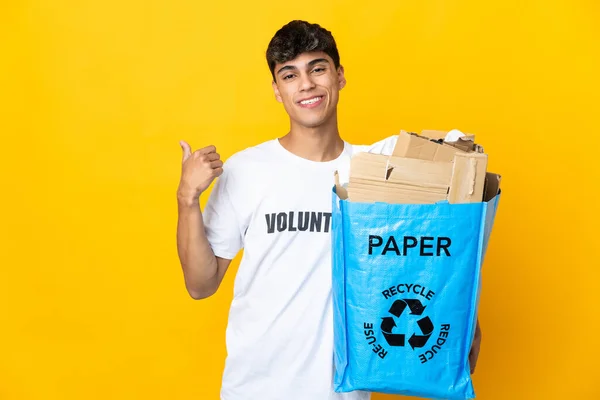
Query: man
(274, 201)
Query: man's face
(308, 86)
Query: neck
(321, 143)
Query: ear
(341, 77)
(276, 91)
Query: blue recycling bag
(406, 284)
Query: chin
(313, 122)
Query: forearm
(200, 268)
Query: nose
(306, 82)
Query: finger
(218, 171)
(213, 156)
(187, 150)
(216, 164)
(207, 150)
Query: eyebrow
(310, 64)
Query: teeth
(311, 101)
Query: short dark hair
(297, 37)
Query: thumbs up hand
(198, 170)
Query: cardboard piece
(422, 171)
(465, 143)
(492, 186)
(434, 134)
(416, 146)
(408, 171)
(340, 190)
(468, 178)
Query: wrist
(188, 199)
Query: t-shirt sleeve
(222, 219)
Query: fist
(198, 170)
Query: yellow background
(95, 96)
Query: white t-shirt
(277, 207)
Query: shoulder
(384, 146)
(246, 169)
(243, 172)
(251, 157)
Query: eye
(319, 69)
(288, 77)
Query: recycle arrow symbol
(426, 328)
(415, 306)
(393, 339)
(398, 339)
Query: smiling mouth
(312, 102)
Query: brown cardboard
(419, 146)
(468, 178)
(422, 171)
(341, 191)
(375, 177)
(434, 134)
(362, 195)
(354, 182)
(465, 143)
(395, 189)
(407, 171)
(492, 186)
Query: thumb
(187, 150)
